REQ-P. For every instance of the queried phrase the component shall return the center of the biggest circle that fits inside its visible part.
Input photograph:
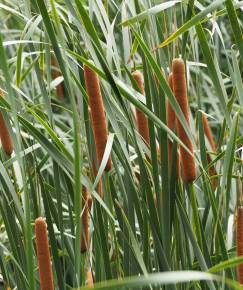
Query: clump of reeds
(43, 255)
(239, 241)
(97, 114)
(171, 123)
(180, 92)
(85, 221)
(208, 132)
(5, 137)
(142, 121)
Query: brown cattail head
(5, 137)
(43, 255)
(55, 73)
(89, 279)
(239, 241)
(85, 221)
(142, 121)
(171, 122)
(180, 92)
(97, 114)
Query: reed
(85, 221)
(43, 255)
(239, 241)
(97, 114)
(141, 119)
(180, 92)
(171, 123)
(6, 140)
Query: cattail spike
(55, 73)
(171, 121)
(142, 121)
(97, 114)
(43, 255)
(180, 92)
(85, 221)
(239, 241)
(89, 279)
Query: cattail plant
(239, 241)
(208, 132)
(89, 279)
(171, 122)
(85, 221)
(55, 73)
(180, 92)
(142, 121)
(5, 137)
(43, 255)
(97, 114)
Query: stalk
(171, 122)
(208, 132)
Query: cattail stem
(239, 241)
(142, 121)
(43, 255)
(97, 114)
(5, 137)
(171, 122)
(85, 221)
(180, 92)
(55, 73)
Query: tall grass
(148, 228)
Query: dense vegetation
(138, 189)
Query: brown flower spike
(180, 92)
(43, 255)
(85, 221)
(142, 121)
(97, 114)
(5, 137)
(239, 241)
(171, 122)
